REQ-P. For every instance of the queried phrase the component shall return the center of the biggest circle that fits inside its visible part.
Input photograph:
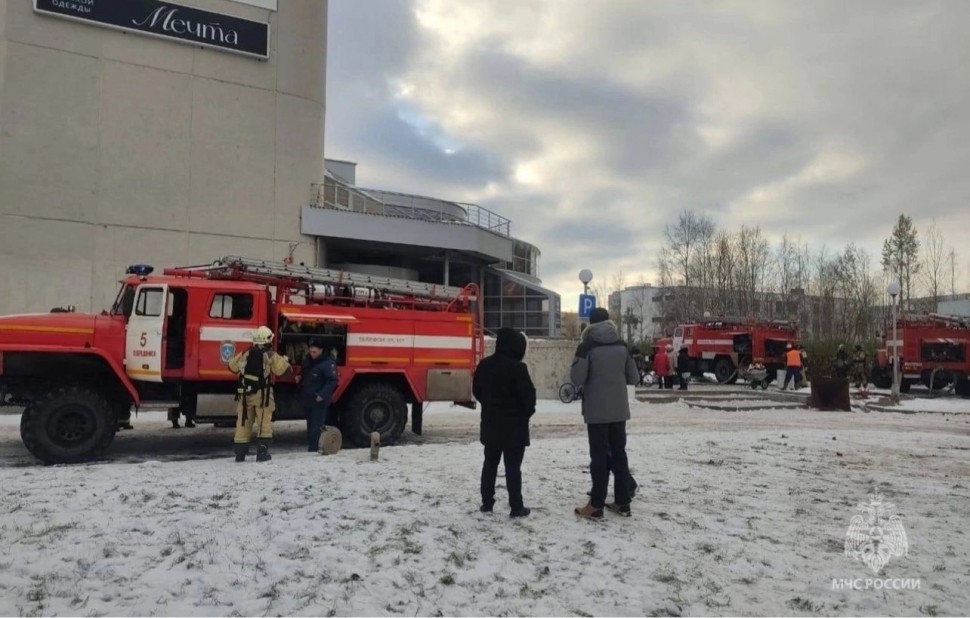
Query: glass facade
(513, 301)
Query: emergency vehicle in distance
(168, 337)
(722, 346)
(933, 351)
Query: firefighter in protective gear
(859, 367)
(841, 363)
(255, 401)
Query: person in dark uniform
(317, 380)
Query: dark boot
(262, 449)
(241, 451)
(175, 423)
(189, 423)
(522, 511)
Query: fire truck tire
(67, 425)
(374, 407)
(724, 371)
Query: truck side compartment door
(145, 337)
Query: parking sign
(587, 302)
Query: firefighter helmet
(262, 335)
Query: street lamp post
(893, 289)
(586, 275)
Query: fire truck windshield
(124, 302)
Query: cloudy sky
(592, 124)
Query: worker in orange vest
(793, 367)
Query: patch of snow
(737, 513)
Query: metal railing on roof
(338, 195)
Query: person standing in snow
(683, 367)
(255, 399)
(841, 363)
(504, 388)
(317, 380)
(604, 368)
(661, 366)
(859, 361)
(793, 367)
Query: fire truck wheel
(724, 370)
(67, 425)
(374, 407)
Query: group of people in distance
(672, 368)
(603, 367)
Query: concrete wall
(117, 148)
(549, 361)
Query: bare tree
(753, 256)
(684, 239)
(951, 259)
(857, 292)
(934, 265)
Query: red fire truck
(168, 337)
(932, 349)
(724, 345)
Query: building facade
(153, 132)
(432, 240)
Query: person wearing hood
(604, 368)
(504, 388)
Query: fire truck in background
(723, 346)
(932, 351)
(167, 340)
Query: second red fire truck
(723, 346)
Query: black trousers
(607, 449)
(317, 415)
(793, 373)
(513, 474)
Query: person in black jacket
(504, 388)
(317, 380)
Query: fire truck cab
(168, 338)
(723, 346)
(931, 350)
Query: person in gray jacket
(604, 368)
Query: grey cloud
(883, 79)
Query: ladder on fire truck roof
(238, 267)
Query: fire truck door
(144, 339)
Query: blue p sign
(587, 302)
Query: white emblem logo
(876, 534)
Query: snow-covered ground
(741, 512)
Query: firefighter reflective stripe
(390, 340)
